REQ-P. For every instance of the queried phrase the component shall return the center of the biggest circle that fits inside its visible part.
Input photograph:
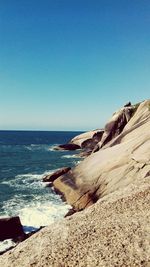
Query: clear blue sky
(69, 64)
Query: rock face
(11, 228)
(88, 141)
(52, 177)
(116, 124)
(81, 138)
(89, 144)
(124, 159)
(92, 141)
(85, 141)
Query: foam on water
(53, 148)
(77, 162)
(37, 215)
(71, 156)
(28, 180)
(35, 147)
(42, 209)
(33, 215)
(6, 244)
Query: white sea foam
(39, 211)
(77, 162)
(52, 148)
(28, 180)
(35, 147)
(69, 156)
(36, 210)
(33, 216)
(6, 244)
(39, 214)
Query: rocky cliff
(114, 231)
(120, 161)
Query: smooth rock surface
(123, 160)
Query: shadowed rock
(128, 104)
(51, 177)
(86, 141)
(89, 144)
(116, 125)
(79, 139)
(67, 147)
(11, 228)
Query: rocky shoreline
(110, 193)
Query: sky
(69, 64)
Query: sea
(25, 158)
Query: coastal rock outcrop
(94, 135)
(85, 141)
(117, 164)
(94, 140)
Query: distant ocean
(25, 157)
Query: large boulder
(91, 135)
(52, 177)
(126, 158)
(11, 228)
(85, 141)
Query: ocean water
(25, 157)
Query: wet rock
(11, 228)
(67, 147)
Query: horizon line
(35, 130)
